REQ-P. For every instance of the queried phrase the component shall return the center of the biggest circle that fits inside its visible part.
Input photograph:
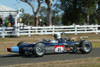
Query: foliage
(31, 4)
(56, 12)
(56, 19)
(76, 11)
(27, 19)
(98, 11)
(43, 11)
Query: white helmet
(57, 35)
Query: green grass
(91, 62)
(96, 44)
(88, 62)
(8, 42)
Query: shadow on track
(16, 55)
(25, 56)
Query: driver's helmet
(57, 35)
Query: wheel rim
(40, 50)
(87, 47)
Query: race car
(60, 44)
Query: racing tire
(85, 47)
(22, 43)
(39, 50)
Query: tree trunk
(88, 19)
(49, 19)
(36, 20)
(35, 13)
(99, 17)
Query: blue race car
(59, 45)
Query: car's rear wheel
(39, 50)
(85, 47)
(22, 43)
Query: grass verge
(8, 42)
(90, 62)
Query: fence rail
(18, 31)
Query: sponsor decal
(28, 48)
(68, 48)
(59, 48)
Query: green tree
(27, 19)
(31, 4)
(43, 15)
(56, 15)
(77, 11)
(89, 8)
(98, 12)
(56, 19)
(94, 18)
(43, 11)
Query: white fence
(17, 31)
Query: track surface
(17, 59)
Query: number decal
(59, 48)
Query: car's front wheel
(39, 50)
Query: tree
(43, 11)
(89, 8)
(72, 12)
(56, 15)
(77, 11)
(99, 12)
(27, 19)
(29, 2)
(56, 19)
(49, 19)
(43, 15)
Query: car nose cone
(9, 49)
(14, 49)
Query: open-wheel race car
(59, 45)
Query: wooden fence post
(29, 31)
(75, 26)
(53, 29)
(15, 30)
(18, 31)
(96, 29)
(3, 32)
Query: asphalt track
(17, 59)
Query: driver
(57, 36)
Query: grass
(90, 62)
(12, 41)
(96, 44)
(8, 42)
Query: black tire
(22, 43)
(39, 50)
(85, 47)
